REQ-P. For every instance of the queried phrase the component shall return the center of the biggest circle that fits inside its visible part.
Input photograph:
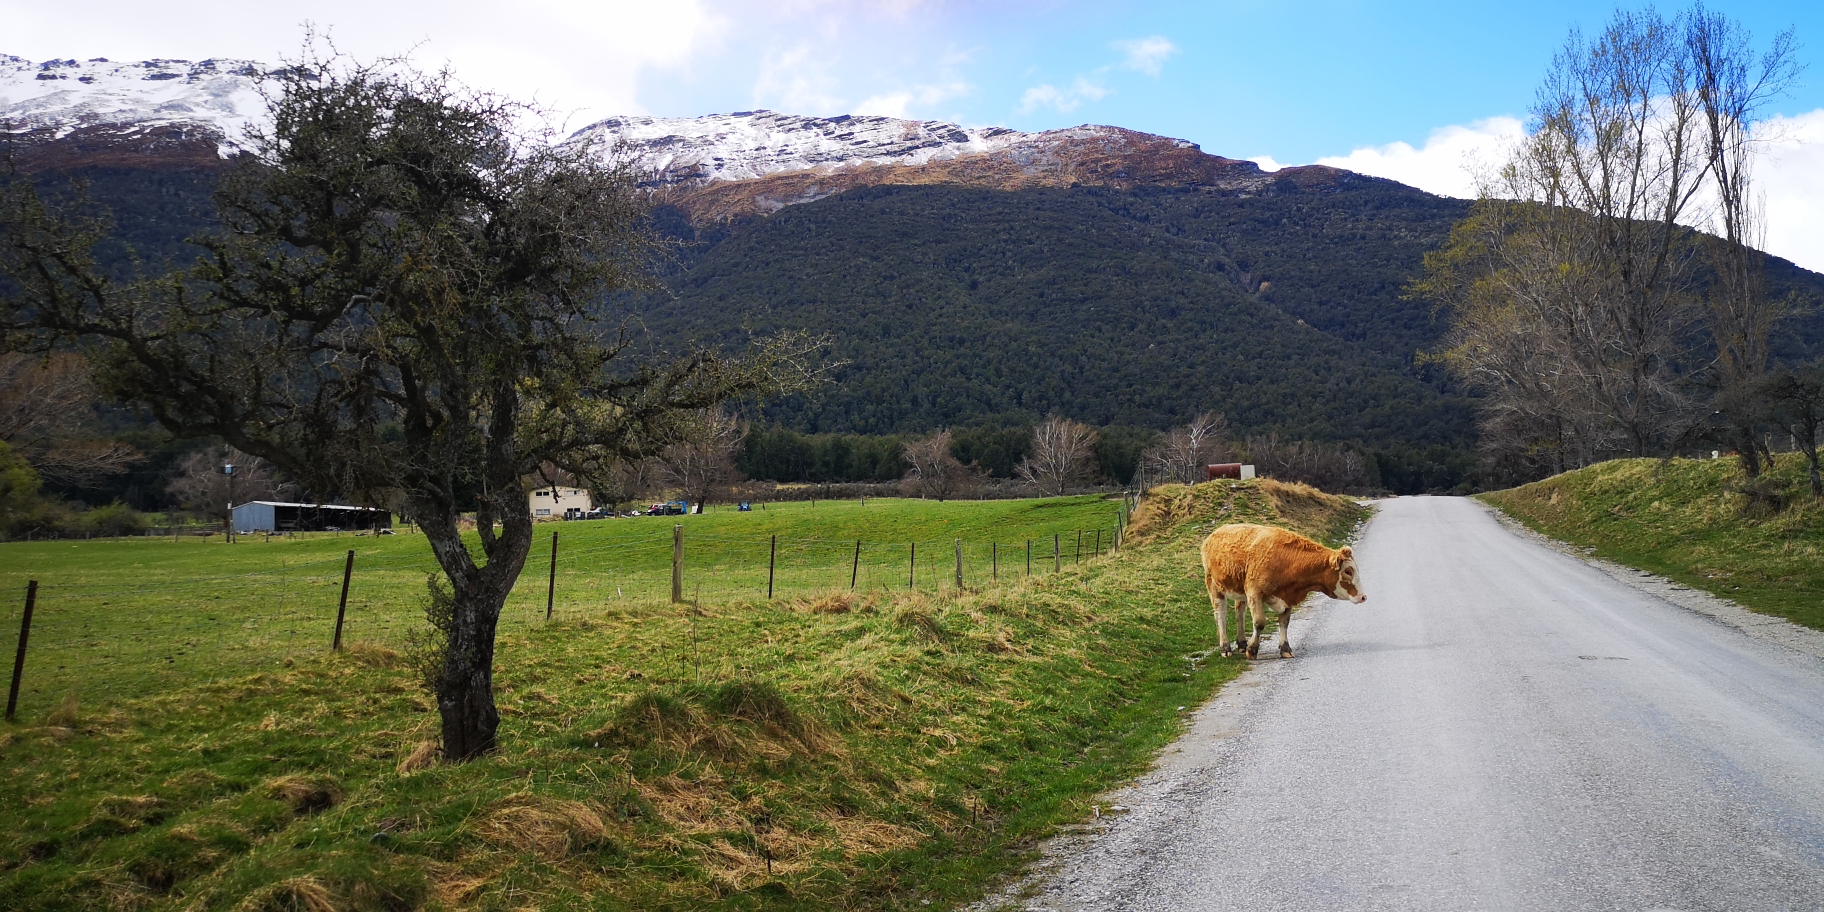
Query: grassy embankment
(1689, 520)
(828, 750)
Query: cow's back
(1238, 553)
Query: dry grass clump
(373, 654)
(423, 755)
(305, 794)
(67, 713)
(740, 718)
(298, 894)
(549, 828)
(1297, 506)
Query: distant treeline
(780, 454)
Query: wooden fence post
(348, 570)
(677, 564)
(25, 633)
(551, 587)
(959, 563)
(855, 571)
(1098, 542)
(772, 557)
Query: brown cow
(1271, 566)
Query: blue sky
(1406, 90)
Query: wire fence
(111, 641)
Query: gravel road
(1500, 726)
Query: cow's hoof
(1253, 652)
(1226, 652)
(1285, 652)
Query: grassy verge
(1693, 521)
(875, 750)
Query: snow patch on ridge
(60, 96)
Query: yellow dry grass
(550, 828)
(305, 794)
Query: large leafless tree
(1577, 288)
(934, 471)
(408, 293)
(1184, 452)
(47, 402)
(1063, 456)
(701, 465)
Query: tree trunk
(465, 687)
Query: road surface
(1501, 727)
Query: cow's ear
(1346, 552)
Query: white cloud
(797, 81)
(1146, 55)
(1063, 100)
(899, 103)
(1447, 164)
(1791, 174)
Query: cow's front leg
(1257, 613)
(1285, 628)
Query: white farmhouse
(557, 502)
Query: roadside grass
(129, 617)
(1694, 521)
(871, 750)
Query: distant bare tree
(45, 403)
(1186, 450)
(1328, 467)
(625, 481)
(1796, 395)
(201, 486)
(1063, 454)
(935, 472)
(702, 466)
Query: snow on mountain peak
(749, 144)
(56, 97)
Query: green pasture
(128, 617)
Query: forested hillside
(960, 306)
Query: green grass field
(129, 617)
(888, 749)
(1690, 521)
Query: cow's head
(1348, 581)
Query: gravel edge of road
(1775, 630)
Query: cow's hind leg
(1285, 627)
(1219, 604)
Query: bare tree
(1732, 87)
(46, 403)
(702, 465)
(1796, 395)
(935, 472)
(1186, 450)
(1328, 467)
(202, 486)
(1063, 454)
(409, 293)
(1575, 288)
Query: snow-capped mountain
(180, 114)
(57, 99)
(751, 144)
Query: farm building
(559, 502)
(275, 516)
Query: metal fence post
(348, 570)
(855, 571)
(912, 568)
(25, 633)
(1057, 552)
(772, 557)
(994, 560)
(551, 587)
(677, 564)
